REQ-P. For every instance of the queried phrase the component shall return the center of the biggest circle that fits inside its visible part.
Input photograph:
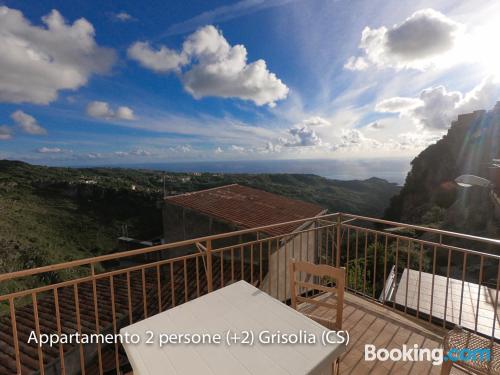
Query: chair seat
(459, 338)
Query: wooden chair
(459, 338)
(314, 308)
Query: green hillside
(52, 214)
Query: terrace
(405, 285)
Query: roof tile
(247, 207)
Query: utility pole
(164, 188)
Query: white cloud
(27, 123)
(303, 136)
(212, 67)
(123, 17)
(218, 150)
(375, 125)
(436, 107)
(356, 63)
(316, 121)
(237, 148)
(353, 138)
(5, 133)
(181, 148)
(141, 152)
(416, 140)
(270, 147)
(419, 41)
(49, 150)
(124, 113)
(94, 155)
(36, 62)
(102, 110)
(398, 104)
(161, 60)
(136, 152)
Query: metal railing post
(210, 285)
(339, 228)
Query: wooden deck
(370, 323)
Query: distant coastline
(392, 170)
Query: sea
(392, 170)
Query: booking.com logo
(416, 354)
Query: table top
(238, 307)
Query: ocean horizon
(392, 170)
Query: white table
(237, 307)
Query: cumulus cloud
(36, 62)
(159, 60)
(27, 123)
(416, 140)
(316, 121)
(5, 133)
(218, 150)
(415, 43)
(436, 107)
(121, 154)
(353, 138)
(303, 136)
(49, 150)
(124, 113)
(102, 110)
(209, 66)
(270, 147)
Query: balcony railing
(423, 272)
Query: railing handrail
(425, 229)
(325, 248)
(148, 250)
(193, 241)
(425, 242)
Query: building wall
(183, 224)
(302, 246)
(179, 225)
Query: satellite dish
(468, 180)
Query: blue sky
(86, 82)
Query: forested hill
(431, 197)
(51, 214)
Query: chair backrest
(321, 271)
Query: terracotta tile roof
(247, 207)
(183, 290)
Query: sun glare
(484, 49)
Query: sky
(87, 82)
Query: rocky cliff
(431, 197)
